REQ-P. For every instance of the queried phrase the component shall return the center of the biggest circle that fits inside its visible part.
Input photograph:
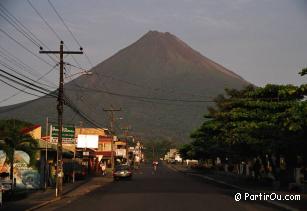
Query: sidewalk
(246, 187)
(42, 198)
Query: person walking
(154, 164)
(103, 168)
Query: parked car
(122, 172)
(172, 161)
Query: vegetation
(303, 72)
(157, 148)
(264, 122)
(14, 139)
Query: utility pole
(153, 152)
(59, 169)
(125, 134)
(112, 124)
(46, 155)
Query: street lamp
(80, 73)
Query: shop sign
(68, 134)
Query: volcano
(162, 86)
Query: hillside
(154, 81)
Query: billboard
(26, 176)
(87, 141)
(120, 152)
(68, 134)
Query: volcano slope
(162, 85)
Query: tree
(303, 72)
(185, 151)
(14, 139)
(157, 148)
(255, 121)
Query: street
(165, 190)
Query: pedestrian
(103, 168)
(257, 168)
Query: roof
(29, 129)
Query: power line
(45, 21)
(59, 16)
(19, 26)
(19, 30)
(144, 97)
(24, 85)
(24, 81)
(15, 71)
(11, 108)
(142, 86)
(69, 103)
(43, 60)
(19, 63)
(23, 90)
(74, 37)
(66, 26)
(57, 35)
(51, 28)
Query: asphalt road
(166, 190)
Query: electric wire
(24, 81)
(71, 33)
(142, 86)
(24, 85)
(69, 103)
(19, 26)
(20, 64)
(20, 30)
(7, 73)
(24, 90)
(45, 21)
(15, 71)
(78, 43)
(25, 48)
(50, 27)
(21, 90)
(144, 97)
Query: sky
(264, 41)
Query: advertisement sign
(26, 177)
(68, 134)
(120, 152)
(87, 141)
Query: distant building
(173, 155)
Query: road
(165, 190)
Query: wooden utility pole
(59, 169)
(112, 124)
(46, 155)
(153, 152)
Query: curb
(57, 199)
(280, 205)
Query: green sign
(68, 134)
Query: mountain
(161, 84)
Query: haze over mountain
(161, 84)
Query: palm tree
(14, 139)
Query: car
(173, 161)
(122, 172)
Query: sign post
(61, 135)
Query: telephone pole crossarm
(59, 52)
